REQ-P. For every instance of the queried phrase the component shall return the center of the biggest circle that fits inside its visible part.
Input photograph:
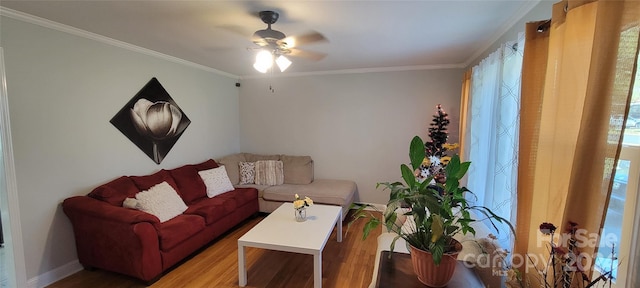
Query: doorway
(12, 266)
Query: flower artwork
(152, 121)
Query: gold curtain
(578, 73)
(464, 110)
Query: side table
(398, 272)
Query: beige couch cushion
(231, 164)
(335, 192)
(269, 172)
(257, 157)
(297, 169)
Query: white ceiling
(362, 35)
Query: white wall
(354, 126)
(63, 90)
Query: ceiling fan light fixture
(264, 61)
(275, 44)
(261, 69)
(283, 63)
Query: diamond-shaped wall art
(152, 121)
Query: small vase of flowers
(300, 207)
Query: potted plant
(437, 210)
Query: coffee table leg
(242, 271)
(317, 269)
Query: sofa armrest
(102, 210)
(115, 238)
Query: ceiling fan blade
(259, 41)
(311, 55)
(295, 41)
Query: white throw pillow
(131, 203)
(216, 180)
(161, 201)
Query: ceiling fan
(274, 45)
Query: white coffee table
(275, 233)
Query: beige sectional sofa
(298, 179)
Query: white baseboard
(54, 275)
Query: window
(493, 124)
(619, 229)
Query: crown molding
(357, 71)
(14, 14)
(524, 9)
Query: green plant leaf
(437, 227)
(468, 229)
(370, 225)
(416, 152)
(425, 184)
(493, 216)
(393, 244)
(453, 167)
(407, 175)
(452, 184)
(466, 215)
(437, 250)
(390, 221)
(464, 167)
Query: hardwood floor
(346, 264)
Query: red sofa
(135, 243)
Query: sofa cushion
(269, 172)
(297, 169)
(242, 196)
(206, 165)
(257, 157)
(178, 229)
(230, 163)
(247, 172)
(260, 188)
(148, 181)
(213, 209)
(216, 181)
(116, 191)
(190, 184)
(161, 201)
(335, 192)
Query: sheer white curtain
(493, 125)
